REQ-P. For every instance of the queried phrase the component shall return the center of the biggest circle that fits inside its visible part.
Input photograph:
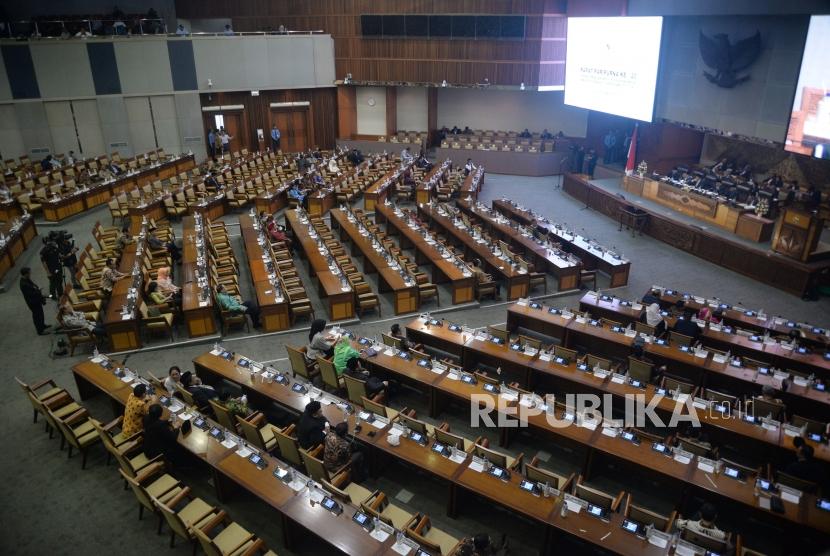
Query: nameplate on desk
(658, 538)
(607, 431)
(790, 495)
(719, 358)
(618, 378)
(791, 431)
(574, 504)
(801, 381)
(589, 424)
(544, 357)
(128, 316)
(700, 403)
(581, 320)
(706, 465)
(243, 452)
(770, 425)
(452, 376)
(477, 464)
(682, 456)
(701, 353)
(600, 373)
(228, 443)
(630, 333)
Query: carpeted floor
(50, 506)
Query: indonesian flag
(632, 153)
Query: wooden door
(293, 126)
(233, 124)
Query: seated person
(638, 351)
(212, 183)
(295, 193)
(455, 130)
(467, 130)
(652, 296)
(343, 351)
(275, 231)
(687, 326)
(482, 545)
(374, 385)
(546, 134)
(678, 308)
(482, 277)
(135, 409)
(707, 315)
(155, 243)
(469, 167)
(125, 238)
(652, 317)
(110, 276)
(201, 392)
(332, 166)
(806, 467)
(312, 426)
(526, 133)
(160, 437)
(705, 525)
(159, 297)
(320, 344)
(235, 304)
(769, 394)
(165, 281)
(396, 332)
(76, 319)
(174, 377)
(339, 451)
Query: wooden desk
(759, 264)
(321, 201)
(211, 208)
(472, 184)
(341, 302)
(9, 210)
(16, 242)
(591, 255)
(517, 280)
(754, 228)
(539, 255)
(406, 295)
(378, 192)
(424, 190)
(124, 331)
(273, 308)
(444, 267)
(297, 515)
(55, 210)
(198, 313)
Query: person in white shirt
(405, 156)
(174, 377)
(226, 140)
(70, 159)
(228, 30)
(705, 525)
(181, 31)
(333, 169)
(469, 167)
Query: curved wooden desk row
(124, 331)
(443, 270)
(101, 193)
(438, 173)
(460, 476)
(378, 192)
(341, 303)
(812, 361)
(517, 282)
(542, 258)
(642, 455)
(749, 319)
(474, 350)
(298, 515)
(617, 269)
(273, 310)
(17, 241)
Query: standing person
(69, 258)
(34, 299)
(50, 258)
(469, 167)
(217, 144)
(226, 141)
(212, 143)
(275, 138)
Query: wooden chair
(365, 299)
(299, 364)
(378, 505)
(706, 542)
(680, 339)
(810, 425)
(263, 436)
(79, 432)
(163, 322)
(329, 375)
(594, 361)
(797, 482)
(565, 353)
(535, 473)
(597, 497)
(223, 415)
(436, 541)
(487, 288)
(230, 319)
(497, 458)
(184, 513)
(391, 340)
(231, 540)
(766, 408)
(639, 370)
(152, 483)
(314, 465)
(114, 440)
(356, 390)
(588, 277)
(647, 517)
(288, 445)
(672, 384)
(643, 328)
(42, 391)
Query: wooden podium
(797, 234)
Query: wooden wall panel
(257, 112)
(346, 112)
(413, 60)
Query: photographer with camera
(50, 257)
(69, 257)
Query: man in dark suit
(686, 326)
(34, 299)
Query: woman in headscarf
(652, 317)
(706, 315)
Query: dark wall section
(21, 71)
(182, 65)
(104, 68)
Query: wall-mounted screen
(611, 64)
(809, 130)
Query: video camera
(58, 237)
